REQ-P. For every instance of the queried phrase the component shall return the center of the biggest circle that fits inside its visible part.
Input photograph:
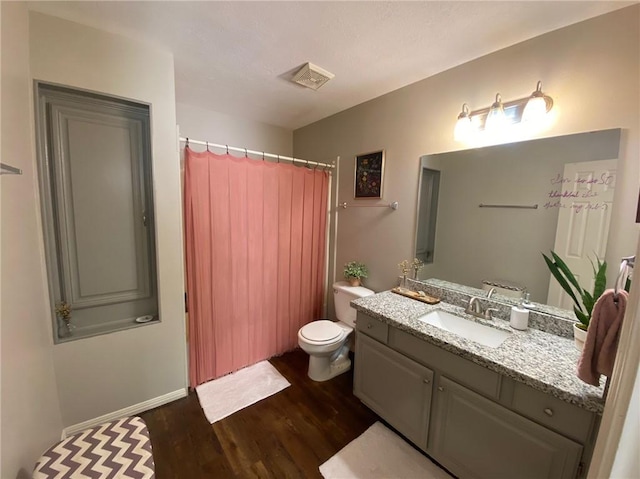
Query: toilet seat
(321, 332)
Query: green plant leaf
(588, 302)
(567, 272)
(583, 318)
(557, 274)
(600, 279)
(566, 279)
(581, 326)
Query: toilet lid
(322, 330)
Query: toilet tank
(343, 294)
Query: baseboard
(128, 411)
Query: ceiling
(237, 57)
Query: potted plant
(583, 300)
(63, 311)
(354, 271)
(416, 265)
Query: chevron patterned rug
(118, 449)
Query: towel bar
(393, 206)
(623, 274)
(523, 207)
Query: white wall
(201, 124)
(30, 416)
(591, 70)
(627, 461)
(106, 373)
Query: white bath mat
(379, 453)
(224, 396)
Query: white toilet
(326, 342)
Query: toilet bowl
(327, 342)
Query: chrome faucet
(491, 291)
(474, 309)
(488, 311)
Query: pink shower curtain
(255, 246)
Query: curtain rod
(187, 141)
(524, 207)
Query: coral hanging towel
(600, 347)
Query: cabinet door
(395, 387)
(476, 438)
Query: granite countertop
(541, 360)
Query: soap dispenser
(527, 301)
(519, 316)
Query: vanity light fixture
(463, 127)
(501, 115)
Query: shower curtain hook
(227, 149)
(245, 153)
(263, 156)
(207, 146)
(278, 158)
(187, 144)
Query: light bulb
(496, 118)
(536, 108)
(463, 129)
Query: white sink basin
(485, 335)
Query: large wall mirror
(500, 207)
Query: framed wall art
(369, 175)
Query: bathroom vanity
(515, 410)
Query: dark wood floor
(288, 435)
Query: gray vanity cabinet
(474, 437)
(395, 387)
(475, 422)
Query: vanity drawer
(568, 419)
(372, 327)
(463, 371)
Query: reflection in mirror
(551, 193)
(428, 206)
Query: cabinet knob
(427, 381)
(440, 388)
(369, 326)
(548, 412)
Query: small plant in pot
(583, 300)
(63, 311)
(354, 271)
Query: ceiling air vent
(312, 76)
